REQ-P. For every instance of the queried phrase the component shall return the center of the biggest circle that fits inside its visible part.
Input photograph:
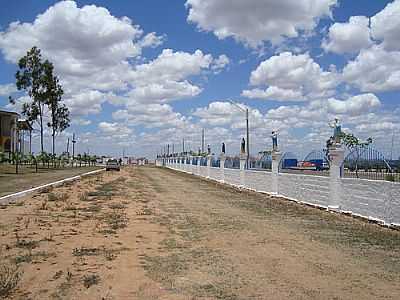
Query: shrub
(9, 278)
(89, 280)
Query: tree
(59, 113)
(30, 77)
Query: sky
(139, 75)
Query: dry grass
(11, 182)
(10, 275)
(91, 279)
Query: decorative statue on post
(223, 148)
(243, 147)
(274, 136)
(337, 133)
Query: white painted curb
(8, 198)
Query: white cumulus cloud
(256, 21)
(7, 89)
(374, 70)
(289, 76)
(355, 105)
(385, 26)
(348, 37)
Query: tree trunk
(54, 146)
(41, 127)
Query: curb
(9, 198)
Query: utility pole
(73, 148)
(391, 150)
(202, 140)
(248, 140)
(183, 145)
(168, 150)
(173, 149)
(68, 148)
(247, 131)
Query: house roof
(5, 112)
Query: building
(14, 133)
(142, 161)
(24, 133)
(8, 131)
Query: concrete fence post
(190, 169)
(209, 159)
(276, 159)
(336, 158)
(242, 169)
(222, 166)
(198, 165)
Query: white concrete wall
(215, 173)
(305, 188)
(373, 199)
(260, 181)
(203, 171)
(232, 176)
(376, 200)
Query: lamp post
(247, 130)
(73, 148)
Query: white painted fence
(375, 200)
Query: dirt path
(148, 233)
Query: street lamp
(247, 130)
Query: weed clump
(89, 280)
(51, 197)
(116, 219)
(83, 251)
(84, 197)
(9, 279)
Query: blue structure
(232, 163)
(263, 161)
(288, 160)
(215, 162)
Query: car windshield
(112, 162)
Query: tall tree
(30, 77)
(59, 113)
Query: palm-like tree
(79, 157)
(3, 157)
(93, 159)
(16, 158)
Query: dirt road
(149, 233)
